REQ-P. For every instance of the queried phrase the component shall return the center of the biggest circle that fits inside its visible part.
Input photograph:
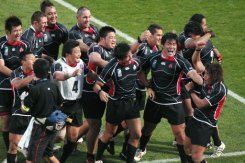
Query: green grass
(225, 17)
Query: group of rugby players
(96, 74)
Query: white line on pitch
(206, 156)
(130, 39)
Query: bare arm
(3, 69)
(20, 83)
(200, 103)
(143, 79)
(61, 76)
(95, 58)
(143, 36)
(83, 46)
(218, 55)
(102, 94)
(196, 59)
(191, 43)
(195, 77)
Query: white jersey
(71, 89)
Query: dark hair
(105, 30)
(12, 21)
(49, 59)
(36, 16)
(169, 36)
(215, 71)
(41, 68)
(68, 46)
(197, 18)
(23, 54)
(154, 27)
(193, 28)
(121, 50)
(45, 4)
(81, 10)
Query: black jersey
(166, 76)
(123, 78)
(44, 97)
(106, 54)
(143, 52)
(53, 37)
(19, 93)
(10, 54)
(4, 38)
(88, 37)
(35, 40)
(216, 96)
(207, 54)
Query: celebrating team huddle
(161, 75)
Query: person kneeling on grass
(43, 99)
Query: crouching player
(43, 98)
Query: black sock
(182, 153)
(101, 148)
(90, 157)
(216, 139)
(6, 139)
(119, 130)
(189, 159)
(130, 153)
(11, 158)
(143, 142)
(125, 143)
(67, 150)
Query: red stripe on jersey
(168, 58)
(91, 67)
(89, 31)
(219, 108)
(40, 34)
(50, 29)
(15, 43)
(28, 73)
(112, 88)
(12, 88)
(178, 87)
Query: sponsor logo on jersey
(134, 67)
(21, 49)
(6, 51)
(154, 64)
(163, 63)
(45, 38)
(119, 72)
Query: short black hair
(12, 21)
(169, 36)
(45, 4)
(121, 50)
(41, 68)
(36, 16)
(23, 54)
(105, 30)
(215, 71)
(68, 46)
(193, 28)
(154, 27)
(197, 18)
